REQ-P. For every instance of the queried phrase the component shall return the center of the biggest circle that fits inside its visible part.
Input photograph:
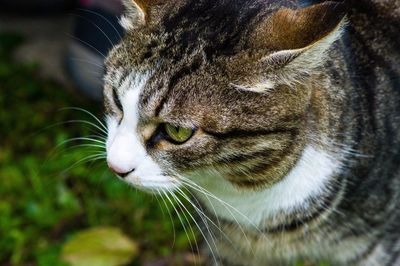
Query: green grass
(43, 200)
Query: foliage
(47, 193)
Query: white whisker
(88, 44)
(208, 193)
(203, 216)
(86, 112)
(169, 214)
(87, 62)
(103, 17)
(181, 221)
(87, 159)
(198, 226)
(97, 27)
(82, 138)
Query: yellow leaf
(102, 246)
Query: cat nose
(119, 170)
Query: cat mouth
(152, 184)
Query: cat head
(214, 89)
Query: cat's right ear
(296, 41)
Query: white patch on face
(308, 178)
(125, 150)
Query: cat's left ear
(297, 40)
(144, 6)
(138, 12)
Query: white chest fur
(250, 208)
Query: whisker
(180, 219)
(86, 112)
(94, 24)
(81, 138)
(87, 62)
(209, 201)
(87, 123)
(206, 219)
(90, 158)
(91, 145)
(208, 193)
(103, 17)
(197, 225)
(71, 122)
(201, 213)
(191, 228)
(85, 145)
(88, 44)
(94, 143)
(170, 216)
(58, 147)
(205, 192)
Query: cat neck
(309, 179)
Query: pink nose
(119, 170)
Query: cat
(281, 118)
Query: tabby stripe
(220, 34)
(184, 71)
(394, 258)
(324, 206)
(368, 83)
(170, 23)
(253, 183)
(256, 170)
(264, 166)
(261, 167)
(117, 100)
(240, 133)
(239, 158)
(371, 9)
(364, 255)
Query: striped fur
(296, 118)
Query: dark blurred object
(96, 31)
(36, 7)
(78, 33)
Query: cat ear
(143, 7)
(298, 40)
(138, 11)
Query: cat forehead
(148, 12)
(217, 26)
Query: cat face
(213, 90)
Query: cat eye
(178, 134)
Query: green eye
(178, 134)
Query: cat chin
(153, 184)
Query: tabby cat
(281, 117)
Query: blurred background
(59, 205)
